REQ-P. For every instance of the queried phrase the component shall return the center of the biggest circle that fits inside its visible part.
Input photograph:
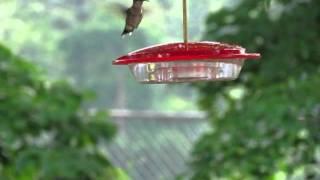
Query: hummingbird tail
(125, 32)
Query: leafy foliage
(44, 132)
(265, 124)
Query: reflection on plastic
(186, 71)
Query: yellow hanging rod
(185, 21)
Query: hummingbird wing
(117, 8)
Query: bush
(44, 132)
(265, 125)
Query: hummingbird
(134, 15)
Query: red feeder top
(193, 51)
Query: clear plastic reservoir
(186, 71)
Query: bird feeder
(186, 61)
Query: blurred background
(67, 113)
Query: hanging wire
(185, 21)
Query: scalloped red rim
(192, 51)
